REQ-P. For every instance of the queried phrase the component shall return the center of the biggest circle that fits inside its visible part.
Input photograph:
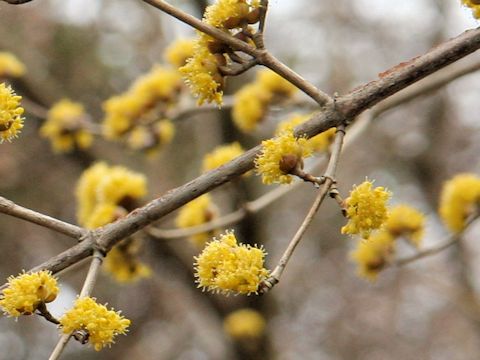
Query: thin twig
(87, 288)
(43, 311)
(329, 175)
(10, 208)
(452, 239)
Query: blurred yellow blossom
(474, 5)
(221, 155)
(460, 197)
(122, 262)
(197, 212)
(404, 220)
(66, 127)
(10, 66)
(251, 102)
(178, 52)
(244, 324)
(373, 254)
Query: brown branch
(10, 208)
(261, 55)
(349, 105)
(423, 87)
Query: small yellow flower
(122, 262)
(151, 138)
(11, 121)
(65, 127)
(101, 189)
(373, 254)
(403, 220)
(197, 212)
(228, 267)
(158, 85)
(27, 291)
(202, 75)
(366, 209)
(101, 324)
(222, 155)
(179, 51)
(319, 142)
(460, 197)
(280, 156)
(244, 324)
(251, 102)
(150, 94)
(121, 111)
(275, 84)
(10, 66)
(250, 107)
(103, 214)
(86, 190)
(474, 5)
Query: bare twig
(10, 208)
(452, 239)
(43, 311)
(87, 288)
(329, 176)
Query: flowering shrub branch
(226, 265)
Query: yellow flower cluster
(222, 155)
(251, 102)
(122, 262)
(474, 5)
(406, 221)
(366, 209)
(460, 197)
(27, 291)
(150, 138)
(178, 52)
(66, 127)
(244, 324)
(101, 324)
(373, 254)
(197, 212)
(147, 101)
(202, 72)
(379, 227)
(228, 267)
(11, 121)
(280, 156)
(10, 66)
(104, 192)
(318, 143)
